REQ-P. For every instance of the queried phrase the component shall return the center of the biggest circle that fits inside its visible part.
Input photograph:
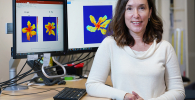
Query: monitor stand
(13, 64)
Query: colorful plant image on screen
(100, 25)
(96, 21)
(29, 29)
(50, 29)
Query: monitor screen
(87, 22)
(38, 27)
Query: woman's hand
(137, 96)
(129, 96)
(133, 96)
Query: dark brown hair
(120, 32)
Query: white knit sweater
(153, 74)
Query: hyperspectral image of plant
(96, 21)
(100, 25)
(29, 30)
(50, 27)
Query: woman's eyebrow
(129, 5)
(142, 5)
(138, 5)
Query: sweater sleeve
(95, 84)
(173, 80)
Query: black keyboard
(70, 94)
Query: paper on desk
(46, 59)
(33, 83)
(36, 84)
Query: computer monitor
(87, 22)
(39, 27)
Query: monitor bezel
(54, 53)
(69, 51)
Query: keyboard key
(70, 94)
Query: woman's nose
(136, 14)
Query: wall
(191, 38)
(184, 18)
(163, 11)
(179, 22)
(6, 41)
(184, 15)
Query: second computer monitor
(87, 23)
(38, 27)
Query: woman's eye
(129, 8)
(142, 7)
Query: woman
(143, 66)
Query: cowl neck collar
(146, 54)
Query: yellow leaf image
(50, 27)
(100, 25)
(29, 30)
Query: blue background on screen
(33, 20)
(46, 36)
(96, 11)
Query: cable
(69, 62)
(62, 66)
(46, 90)
(21, 69)
(72, 62)
(64, 63)
(85, 56)
(62, 59)
(28, 73)
(69, 58)
(84, 60)
(50, 67)
(16, 75)
(13, 83)
(56, 76)
(50, 88)
(16, 84)
(19, 76)
(80, 56)
(11, 80)
(25, 74)
(6, 84)
(27, 94)
(72, 58)
(79, 59)
(25, 81)
(88, 63)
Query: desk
(48, 92)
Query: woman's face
(136, 15)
